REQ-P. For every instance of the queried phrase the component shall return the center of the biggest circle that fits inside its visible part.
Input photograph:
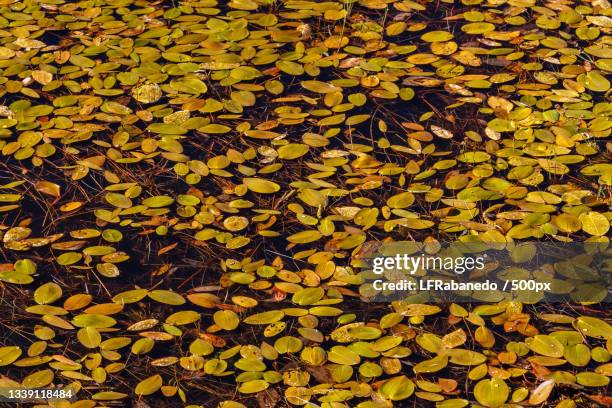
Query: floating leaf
(397, 389)
(589, 379)
(593, 327)
(226, 319)
(594, 223)
(9, 354)
(89, 337)
(166, 296)
(47, 293)
(149, 385)
(491, 393)
(545, 345)
(265, 317)
(261, 186)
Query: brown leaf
(604, 400)
(167, 248)
(268, 398)
(321, 374)
(46, 187)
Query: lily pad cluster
(188, 191)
